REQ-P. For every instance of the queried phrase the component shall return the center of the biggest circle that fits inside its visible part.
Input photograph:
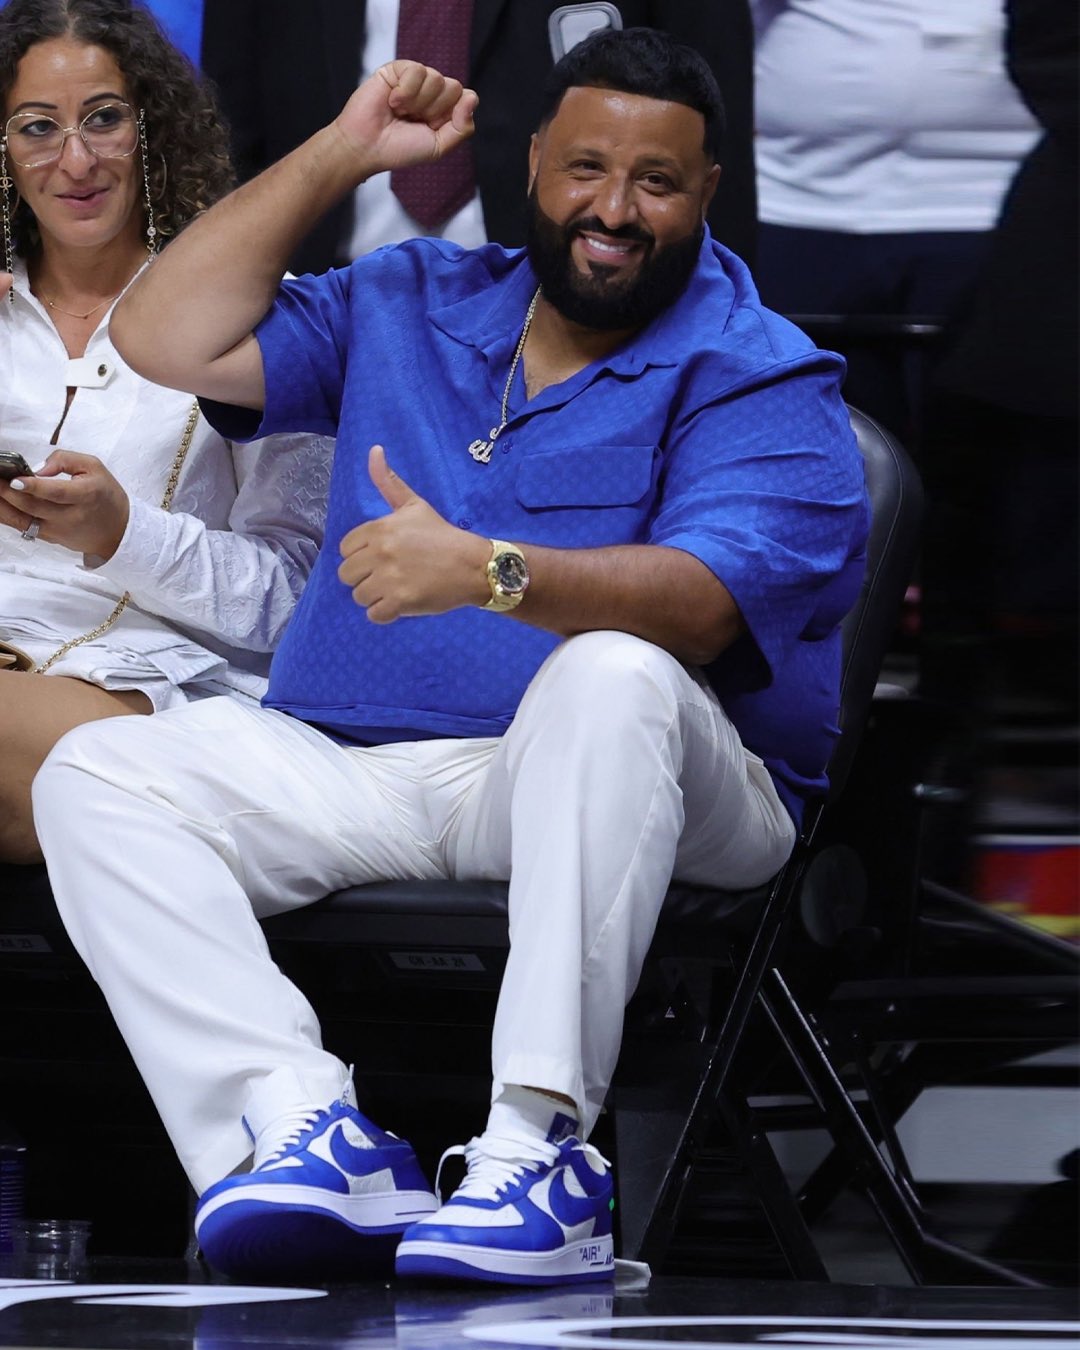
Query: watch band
(507, 575)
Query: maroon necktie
(436, 32)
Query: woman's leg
(35, 711)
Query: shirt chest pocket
(586, 476)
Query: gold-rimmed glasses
(110, 131)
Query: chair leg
(927, 1257)
(732, 1172)
(712, 1078)
(884, 1127)
(896, 1095)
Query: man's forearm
(413, 561)
(663, 595)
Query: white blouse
(212, 581)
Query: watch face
(511, 574)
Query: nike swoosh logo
(570, 1210)
(358, 1162)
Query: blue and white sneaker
(528, 1212)
(328, 1196)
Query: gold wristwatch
(507, 575)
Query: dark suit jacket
(284, 70)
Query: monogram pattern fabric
(717, 430)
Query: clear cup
(49, 1249)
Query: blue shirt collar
(490, 320)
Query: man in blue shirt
(594, 520)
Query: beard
(601, 299)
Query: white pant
(167, 837)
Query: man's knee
(599, 683)
(82, 745)
(120, 751)
(608, 665)
(79, 751)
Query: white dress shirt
(213, 581)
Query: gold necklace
(481, 450)
(94, 309)
(72, 315)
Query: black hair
(188, 149)
(640, 61)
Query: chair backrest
(896, 511)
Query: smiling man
(594, 521)
(622, 229)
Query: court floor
(131, 1305)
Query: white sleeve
(239, 584)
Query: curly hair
(189, 160)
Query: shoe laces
(497, 1162)
(283, 1133)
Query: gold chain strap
(166, 502)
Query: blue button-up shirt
(718, 429)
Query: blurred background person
(283, 70)
(888, 132)
(1001, 561)
(150, 561)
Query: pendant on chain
(481, 450)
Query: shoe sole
(574, 1263)
(279, 1231)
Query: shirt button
(103, 369)
(465, 524)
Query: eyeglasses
(108, 132)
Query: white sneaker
(528, 1212)
(329, 1194)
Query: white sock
(521, 1111)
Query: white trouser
(167, 837)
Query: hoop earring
(151, 228)
(7, 211)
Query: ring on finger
(32, 530)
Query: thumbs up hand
(394, 491)
(411, 561)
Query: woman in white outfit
(148, 561)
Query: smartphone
(12, 465)
(570, 24)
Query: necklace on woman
(481, 450)
(72, 315)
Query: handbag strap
(166, 503)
